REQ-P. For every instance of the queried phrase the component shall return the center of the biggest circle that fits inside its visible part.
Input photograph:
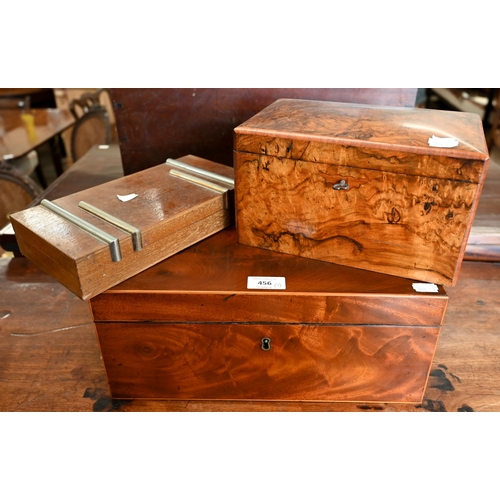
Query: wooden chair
(93, 124)
(90, 129)
(17, 191)
(87, 102)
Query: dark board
(155, 124)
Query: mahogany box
(386, 189)
(224, 321)
(94, 239)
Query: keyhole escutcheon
(265, 344)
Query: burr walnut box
(386, 189)
(224, 321)
(91, 240)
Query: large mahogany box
(96, 238)
(361, 186)
(190, 328)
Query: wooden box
(190, 328)
(361, 185)
(174, 208)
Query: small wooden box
(189, 328)
(360, 185)
(174, 208)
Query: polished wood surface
(50, 357)
(101, 165)
(407, 210)
(201, 121)
(305, 362)
(27, 131)
(208, 283)
(171, 214)
(189, 328)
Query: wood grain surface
(304, 362)
(50, 357)
(171, 214)
(208, 283)
(407, 209)
(189, 328)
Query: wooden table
(20, 137)
(50, 357)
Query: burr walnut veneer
(360, 185)
(189, 328)
(170, 212)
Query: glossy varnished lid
(220, 264)
(402, 129)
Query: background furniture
(17, 191)
(156, 124)
(88, 101)
(27, 131)
(493, 136)
(479, 101)
(28, 163)
(90, 129)
(92, 126)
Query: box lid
(404, 132)
(208, 282)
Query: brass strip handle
(111, 241)
(200, 171)
(115, 221)
(200, 182)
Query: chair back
(93, 126)
(17, 191)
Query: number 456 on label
(266, 283)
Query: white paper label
(266, 283)
(442, 142)
(425, 287)
(126, 197)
